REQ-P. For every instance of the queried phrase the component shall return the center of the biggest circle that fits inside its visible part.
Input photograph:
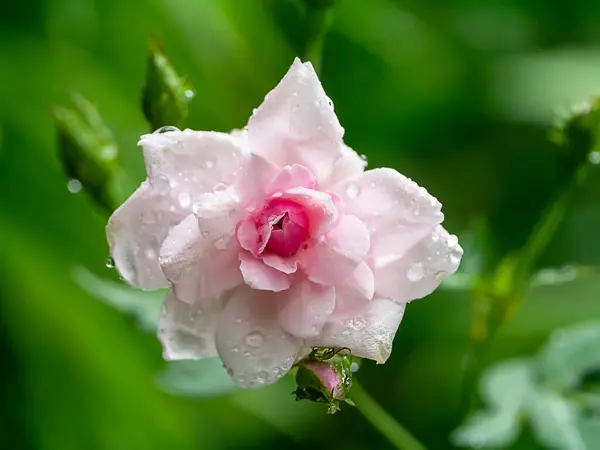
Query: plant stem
(382, 421)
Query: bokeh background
(456, 94)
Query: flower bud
(165, 96)
(324, 378)
(87, 149)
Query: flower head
(275, 240)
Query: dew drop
(354, 367)
(150, 253)
(221, 243)
(161, 184)
(149, 217)
(263, 377)
(594, 158)
(110, 262)
(184, 199)
(365, 159)
(166, 129)
(455, 257)
(189, 94)
(220, 187)
(435, 237)
(209, 164)
(235, 349)
(356, 323)
(247, 354)
(452, 240)
(415, 272)
(74, 186)
(352, 191)
(254, 339)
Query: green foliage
(547, 391)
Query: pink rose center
(283, 228)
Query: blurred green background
(456, 94)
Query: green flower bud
(166, 96)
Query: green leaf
(203, 378)
(505, 386)
(87, 149)
(561, 275)
(489, 429)
(166, 96)
(144, 306)
(569, 355)
(555, 422)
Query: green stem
(382, 421)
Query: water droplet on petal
(166, 129)
(352, 191)
(247, 354)
(254, 339)
(435, 237)
(184, 199)
(209, 164)
(263, 377)
(74, 186)
(150, 253)
(356, 323)
(149, 217)
(220, 187)
(235, 349)
(161, 184)
(415, 272)
(594, 158)
(110, 263)
(452, 240)
(365, 159)
(221, 243)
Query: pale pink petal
(417, 272)
(353, 295)
(255, 350)
(305, 307)
(254, 179)
(185, 164)
(209, 277)
(188, 331)
(291, 177)
(334, 258)
(386, 195)
(369, 334)
(318, 206)
(218, 214)
(259, 276)
(286, 265)
(296, 124)
(248, 237)
(136, 231)
(348, 165)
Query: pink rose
(274, 239)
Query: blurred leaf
(561, 275)
(505, 386)
(554, 422)
(570, 354)
(144, 306)
(203, 378)
(165, 96)
(87, 149)
(493, 429)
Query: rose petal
(417, 272)
(334, 258)
(254, 348)
(291, 177)
(369, 334)
(135, 233)
(186, 164)
(259, 276)
(305, 307)
(296, 124)
(348, 165)
(318, 206)
(386, 195)
(354, 294)
(188, 331)
(255, 178)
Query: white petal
(186, 164)
(418, 271)
(355, 293)
(369, 334)
(254, 348)
(296, 124)
(135, 233)
(305, 307)
(188, 331)
(348, 165)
